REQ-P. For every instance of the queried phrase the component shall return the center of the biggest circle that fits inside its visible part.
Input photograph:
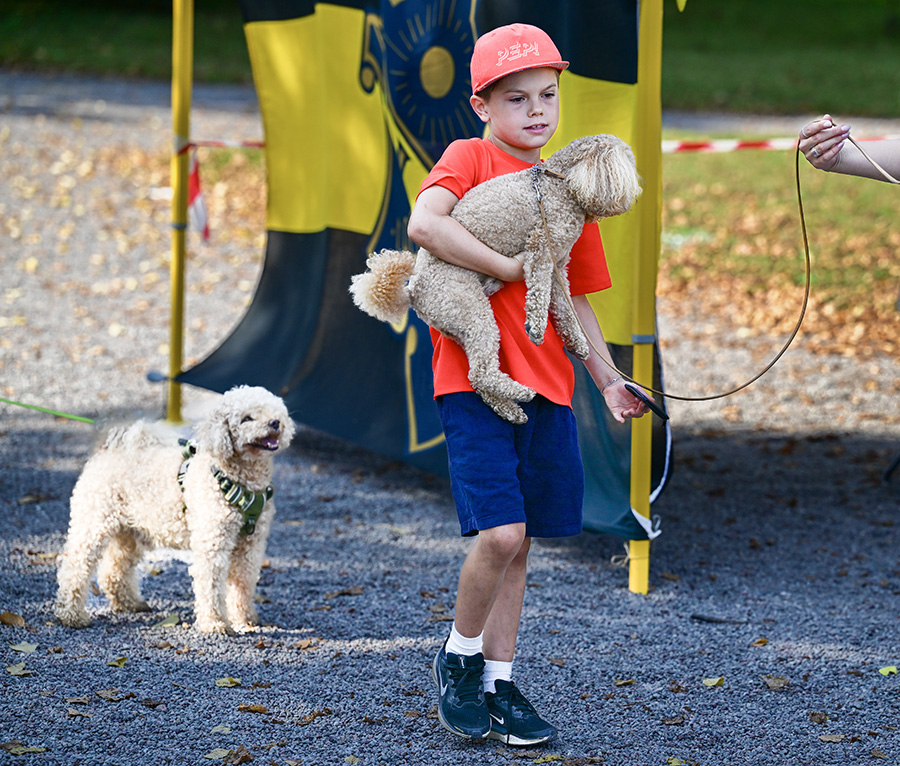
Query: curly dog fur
(128, 500)
(590, 179)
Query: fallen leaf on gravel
(890, 670)
(307, 643)
(16, 747)
(241, 755)
(77, 700)
(112, 695)
(18, 670)
(27, 648)
(217, 754)
(169, 622)
(356, 590)
(228, 682)
(310, 717)
(876, 753)
(119, 662)
(220, 730)
(775, 683)
(675, 762)
(559, 662)
(678, 719)
(717, 681)
(11, 618)
(670, 576)
(252, 708)
(818, 717)
(352, 760)
(832, 737)
(412, 714)
(151, 703)
(760, 642)
(549, 758)
(624, 682)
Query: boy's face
(522, 111)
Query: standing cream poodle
(140, 491)
(536, 215)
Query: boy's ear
(480, 107)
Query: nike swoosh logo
(498, 719)
(444, 688)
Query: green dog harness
(250, 504)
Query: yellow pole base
(639, 566)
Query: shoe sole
(514, 741)
(444, 723)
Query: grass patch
(732, 248)
(776, 57)
(128, 39)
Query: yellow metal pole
(648, 153)
(182, 78)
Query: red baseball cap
(509, 49)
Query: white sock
(495, 670)
(459, 644)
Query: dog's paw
(73, 619)
(490, 285)
(209, 625)
(536, 334)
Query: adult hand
(821, 142)
(622, 404)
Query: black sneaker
(461, 708)
(514, 721)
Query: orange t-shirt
(545, 368)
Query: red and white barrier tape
(733, 145)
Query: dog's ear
(605, 181)
(214, 433)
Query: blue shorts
(505, 474)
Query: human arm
(622, 404)
(431, 227)
(826, 147)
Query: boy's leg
(502, 626)
(484, 588)
(457, 670)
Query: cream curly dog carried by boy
(535, 215)
(510, 482)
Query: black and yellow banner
(358, 100)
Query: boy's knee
(505, 542)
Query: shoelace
(468, 683)
(516, 701)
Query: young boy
(510, 483)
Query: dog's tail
(381, 291)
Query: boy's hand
(622, 404)
(518, 267)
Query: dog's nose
(275, 425)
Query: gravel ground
(778, 563)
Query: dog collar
(250, 504)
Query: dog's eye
(246, 419)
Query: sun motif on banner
(420, 52)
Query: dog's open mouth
(269, 444)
